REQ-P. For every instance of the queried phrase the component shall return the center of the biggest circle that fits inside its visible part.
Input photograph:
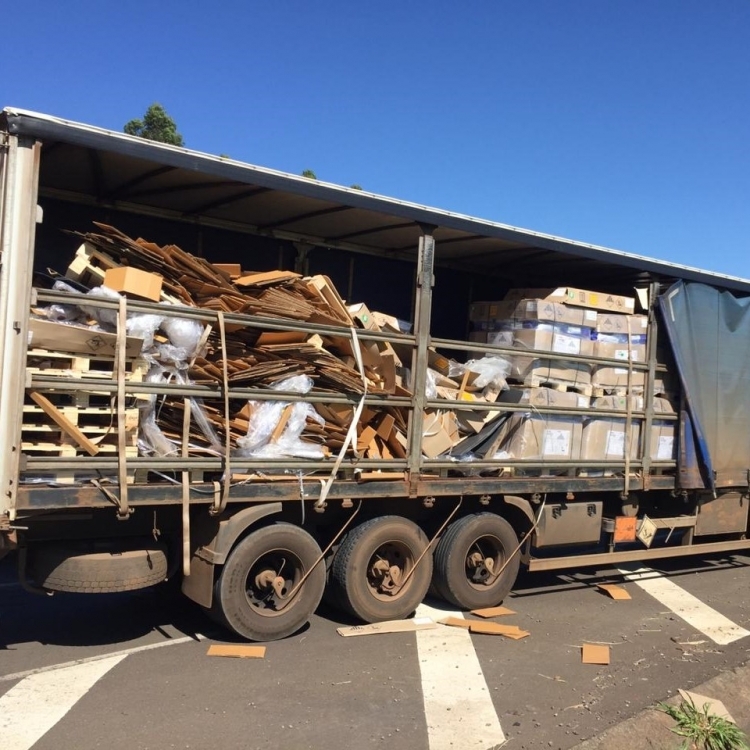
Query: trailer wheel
(252, 594)
(469, 559)
(370, 569)
(76, 569)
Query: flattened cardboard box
(439, 433)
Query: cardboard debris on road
(616, 592)
(493, 612)
(494, 628)
(456, 622)
(237, 652)
(715, 706)
(593, 654)
(390, 626)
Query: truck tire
(76, 569)
(468, 558)
(372, 560)
(251, 594)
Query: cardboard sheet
(593, 654)
(238, 652)
(390, 626)
(492, 612)
(715, 706)
(616, 592)
(456, 622)
(494, 628)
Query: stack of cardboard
(567, 321)
(72, 344)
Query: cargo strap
(351, 434)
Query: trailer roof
(106, 168)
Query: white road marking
(707, 620)
(31, 708)
(100, 657)
(457, 702)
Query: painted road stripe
(457, 702)
(101, 657)
(707, 620)
(31, 708)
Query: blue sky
(619, 123)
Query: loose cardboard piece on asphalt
(591, 654)
(492, 612)
(715, 706)
(238, 652)
(616, 592)
(391, 626)
(456, 622)
(494, 628)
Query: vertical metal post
(422, 317)
(650, 390)
(17, 231)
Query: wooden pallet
(49, 364)
(96, 423)
(68, 448)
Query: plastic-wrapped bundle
(265, 418)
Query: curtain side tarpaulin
(709, 333)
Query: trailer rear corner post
(17, 235)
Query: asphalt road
(319, 690)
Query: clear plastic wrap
(266, 416)
(151, 439)
(104, 316)
(492, 372)
(144, 327)
(183, 333)
(430, 386)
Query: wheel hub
(480, 567)
(387, 570)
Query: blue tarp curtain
(709, 333)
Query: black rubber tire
(349, 580)
(233, 606)
(451, 579)
(77, 569)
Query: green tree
(156, 125)
(309, 174)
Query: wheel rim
(484, 560)
(389, 569)
(272, 580)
